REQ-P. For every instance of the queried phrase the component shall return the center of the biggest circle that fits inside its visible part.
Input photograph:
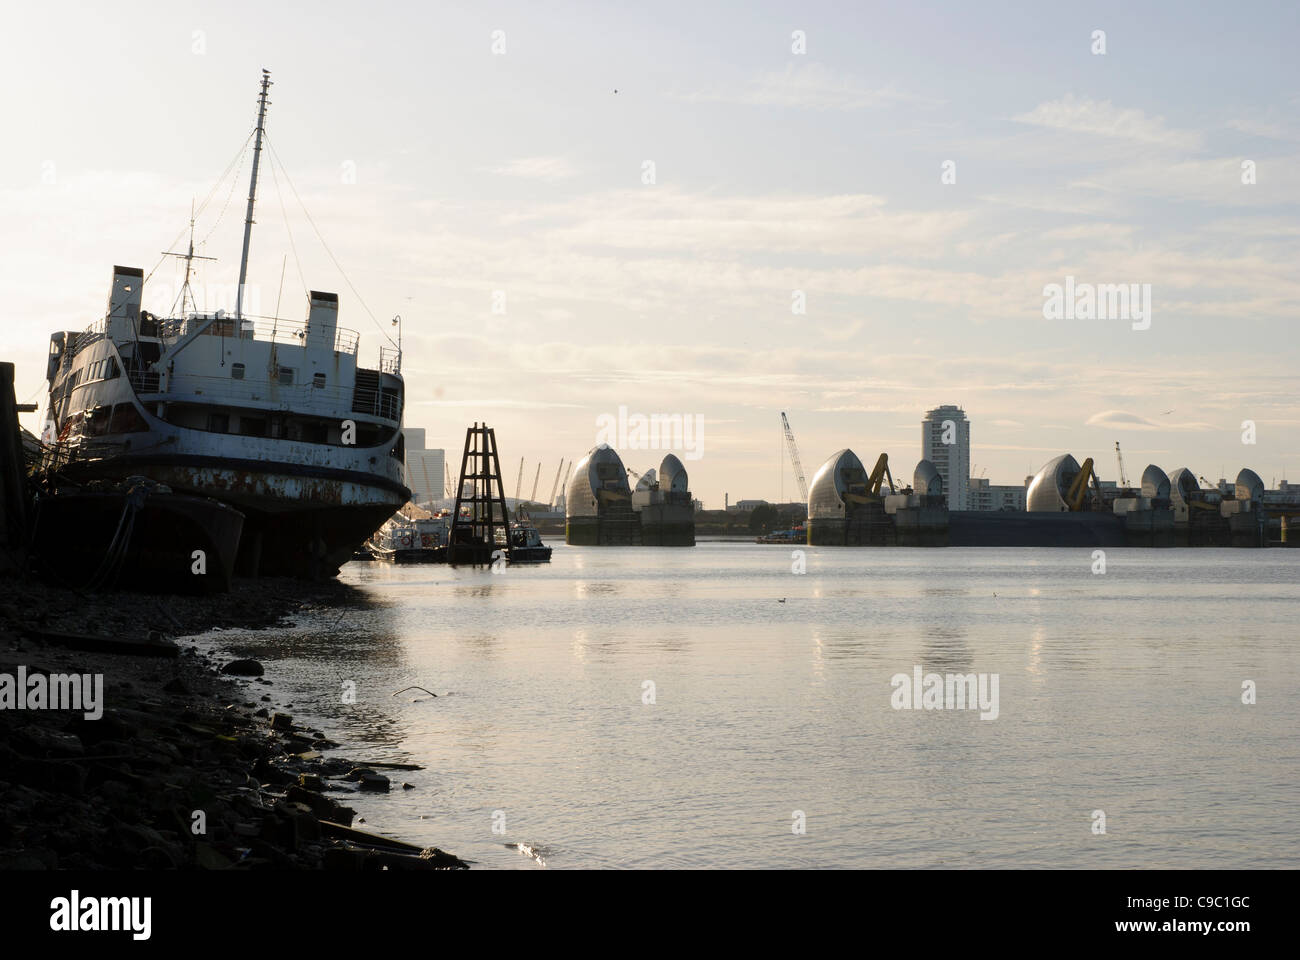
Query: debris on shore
(180, 771)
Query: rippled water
(1119, 692)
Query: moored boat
(414, 535)
(525, 542)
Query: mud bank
(182, 770)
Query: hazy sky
(774, 172)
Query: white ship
(278, 419)
(413, 535)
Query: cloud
(536, 168)
(1102, 118)
(811, 86)
(1123, 420)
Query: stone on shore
(244, 668)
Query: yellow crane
(878, 475)
(1077, 495)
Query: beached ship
(278, 419)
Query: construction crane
(536, 477)
(519, 481)
(550, 504)
(794, 458)
(1123, 475)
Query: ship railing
(264, 329)
(301, 396)
(60, 454)
(390, 360)
(96, 331)
(144, 381)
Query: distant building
(424, 468)
(745, 506)
(951, 458)
(989, 496)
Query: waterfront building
(945, 442)
(991, 496)
(424, 468)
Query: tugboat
(525, 542)
(277, 419)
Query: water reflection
(945, 650)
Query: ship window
(236, 371)
(252, 426)
(219, 422)
(127, 419)
(318, 380)
(99, 419)
(286, 376)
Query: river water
(711, 707)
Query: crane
(794, 457)
(871, 484)
(447, 469)
(1074, 497)
(550, 504)
(519, 481)
(564, 484)
(536, 477)
(1119, 458)
(881, 472)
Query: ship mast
(189, 259)
(252, 194)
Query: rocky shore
(182, 770)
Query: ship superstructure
(277, 418)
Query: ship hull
(169, 541)
(300, 520)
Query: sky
(913, 175)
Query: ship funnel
(123, 312)
(323, 320)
